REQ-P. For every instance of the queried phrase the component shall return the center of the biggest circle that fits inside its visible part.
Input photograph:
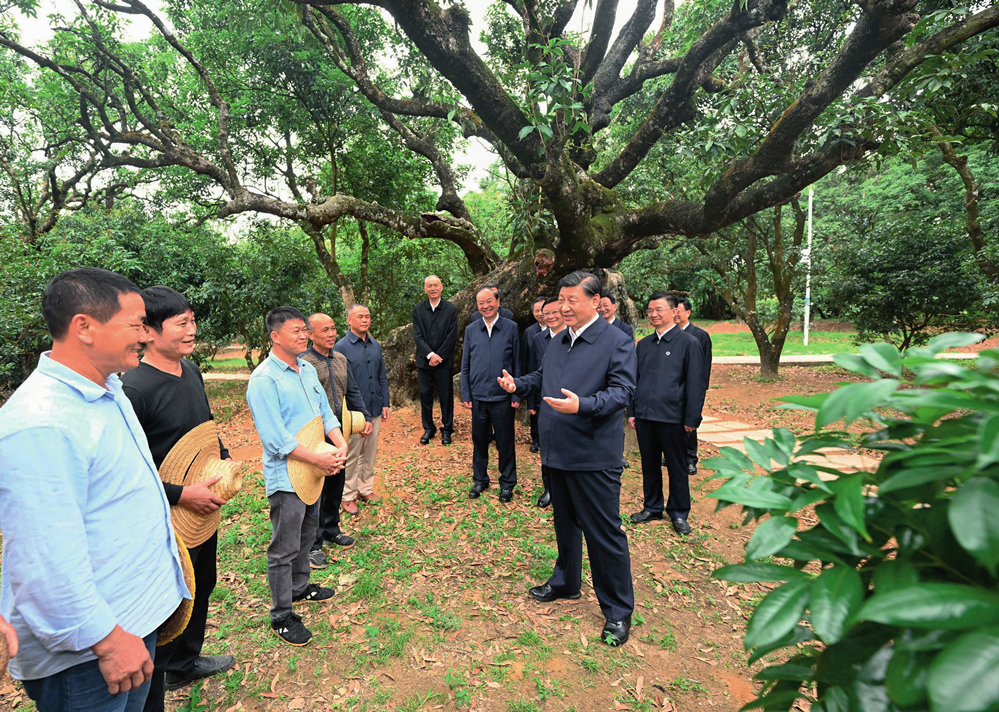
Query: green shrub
(903, 613)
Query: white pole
(808, 267)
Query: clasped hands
(332, 461)
(569, 404)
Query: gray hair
(356, 305)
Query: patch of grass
(688, 684)
(589, 664)
(418, 701)
(523, 705)
(386, 639)
(442, 620)
(666, 640)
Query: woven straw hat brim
(199, 443)
(178, 620)
(307, 480)
(351, 421)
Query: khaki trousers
(361, 463)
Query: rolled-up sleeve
(265, 407)
(44, 534)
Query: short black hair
(539, 299)
(549, 300)
(492, 287)
(668, 296)
(579, 278)
(163, 303)
(684, 302)
(85, 290)
(609, 297)
(276, 318)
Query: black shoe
(445, 438)
(546, 594)
(645, 516)
(477, 490)
(291, 630)
(314, 593)
(624, 464)
(545, 499)
(692, 467)
(535, 446)
(427, 436)
(506, 494)
(664, 461)
(317, 559)
(343, 541)
(616, 633)
(204, 666)
(681, 526)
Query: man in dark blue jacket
(526, 343)
(555, 325)
(608, 310)
(586, 379)
(704, 339)
(667, 406)
(492, 344)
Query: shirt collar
(684, 328)
(433, 307)
(660, 337)
(313, 350)
(573, 334)
(281, 364)
(354, 338)
(486, 324)
(87, 388)
(552, 334)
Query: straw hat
(306, 479)
(178, 620)
(351, 421)
(196, 457)
(4, 656)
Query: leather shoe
(691, 468)
(616, 633)
(506, 494)
(545, 499)
(445, 438)
(624, 464)
(369, 498)
(427, 435)
(681, 526)
(535, 446)
(645, 516)
(664, 461)
(204, 666)
(350, 507)
(477, 490)
(546, 594)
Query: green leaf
(771, 536)
(788, 671)
(802, 402)
(801, 471)
(777, 614)
(819, 442)
(785, 440)
(849, 502)
(951, 606)
(954, 340)
(974, 520)
(906, 677)
(894, 574)
(835, 596)
(800, 634)
(801, 551)
(884, 357)
(524, 132)
(856, 364)
(850, 402)
(756, 451)
(835, 525)
(988, 439)
(776, 453)
(758, 494)
(737, 457)
(917, 476)
(757, 572)
(965, 676)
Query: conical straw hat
(351, 421)
(195, 458)
(307, 479)
(178, 620)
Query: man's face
(682, 315)
(292, 337)
(577, 308)
(433, 287)
(175, 339)
(487, 303)
(115, 344)
(660, 314)
(539, 312)
(606, 309)
(360, 320)
(553, 316)
(323, 331)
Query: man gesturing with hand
(586, 379)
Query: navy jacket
(483, 359)
(670, 379)
(503, 312)
(626, 328)
(704, 339)
(600, 369)
(539, 345)
(526, 340)
(366, 361)
(435, 331)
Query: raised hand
(569, 404)
(506, 382)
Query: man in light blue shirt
(284, 394)
(90, 564)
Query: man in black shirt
(167, 393)
(435, 331)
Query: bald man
(435, 331)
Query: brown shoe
(371, 498)
(350, 507)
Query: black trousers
(658, 441)
(488, 417)
(587, 505)
(439, 378)
(329, 508)
(179, 655)
(535, 437)
(692, 447)
(546, 478)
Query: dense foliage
(890, 603)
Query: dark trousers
(329, 509)
(82, 688)
(535, 437)
(489, 416)
(293, 528)
(179, 655)
(692, 447)
(588, 504)
(439, 378)
(546, 478)
(658, 441)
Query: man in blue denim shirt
(284, 394)
(90, 564)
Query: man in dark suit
(492, 345)
(586, 379)
(667, 406)
(608, 310)
(435, 331)
(555, 325)
(526, 342)
(704, 339)
(505, 313)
